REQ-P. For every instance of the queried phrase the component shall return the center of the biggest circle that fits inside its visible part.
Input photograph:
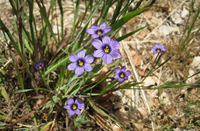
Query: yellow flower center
(80, 63)
(74, 107)
(99, 31)
(106, 49)
(122, 75)
(39, 66)
(158, 50)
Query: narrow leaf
(118, 24)
(4, 94)
(21, 91)
(47, 125)
(129, 34)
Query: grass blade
(4, 94)
(118, 24)
(46, 126)
(129, 34)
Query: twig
(21, 119)
(9, 60)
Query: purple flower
(80, 62)
(74, 107)
(39, 65)
(158, 48)
(107, 49)
(121, 74)
(97, 31)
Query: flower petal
(107, 29)
(163, 48)
(87, 67)
(73, 58)
(128, 72)
(77, 112)
(120, 79)
(71, 112)
(70, 101)
(123, 68)
(125, 77)
(94, 27)
(79, 70)
(117, 70)
(81, 54)
(106, 39)
(71, 66)
(98, 53)
(94, 36)
(90, 31)
(97, 43)
(78, 101)
(116, 54)
(116, 76)
(68, 107)
(157, 45)
(107, 59)
(115, 44)
(89, 59)
(80, 104)
(154, 50)
(103, 26)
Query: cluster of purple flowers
(107, 49)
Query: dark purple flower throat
(74, 107)
(107, 49)
(99, 31)
(121, 75)
(80, 62)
